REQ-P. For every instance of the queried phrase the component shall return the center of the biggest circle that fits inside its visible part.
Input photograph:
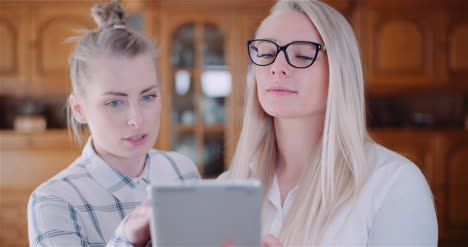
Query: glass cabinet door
(201, 83)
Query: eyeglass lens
(299, 54)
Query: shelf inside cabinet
(214, 128)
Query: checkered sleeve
(54, 222)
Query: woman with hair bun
(99, 199)
(304, 135)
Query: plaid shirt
(86, 203)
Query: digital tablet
(207, 213)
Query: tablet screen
(207, 213)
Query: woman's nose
(135, 118)
(280, 66)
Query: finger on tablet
(271, 241)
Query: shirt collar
(115, 182)
(274, 195)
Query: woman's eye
(304, 57)
(114, 103)
(149, 97)
(267, 55)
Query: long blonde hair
(111, 38)
(338, 167)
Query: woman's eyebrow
(149, 89)
(270, 39)
(114, 93)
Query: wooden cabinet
(27, 160)
(456, 47)
(14, 67)
(402, 45)
(452, 197)
(413, 45)
(52, 24)
(203, 65)
(34, 52)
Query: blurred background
(416, 68)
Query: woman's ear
(77, 109)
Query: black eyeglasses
(299, 54)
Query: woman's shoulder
(400, 196)
(382, 157)
(389, 171)
(390, 164)
(61, 184)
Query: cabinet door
(14, 49)
(203, 67)
(198, 82)
(52, 25)
(457, 48)
(401, 47)
(452, 200)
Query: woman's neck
(296, 140)
(131, 167)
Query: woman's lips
(281, 91)
(136, 140)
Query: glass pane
(213, 46)
(183, 47)
(213, 154)
(135, 22)
(216, 85)
(185, 143)
(184, 98)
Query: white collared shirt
(395, 207)
(274, 213)
(84, 203)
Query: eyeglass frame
(320, 47)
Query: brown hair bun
(108, 14)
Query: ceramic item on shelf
(30, 123)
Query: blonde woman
(304, 135)
(116, 92)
